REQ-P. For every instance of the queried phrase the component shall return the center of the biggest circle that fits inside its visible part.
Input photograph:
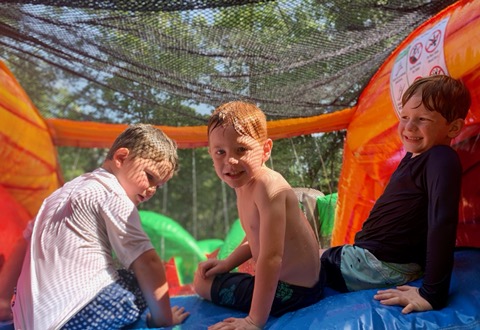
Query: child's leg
(330, 260)
(115, 306)
(362, 270)
(235, 290)
(203, 286)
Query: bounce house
(448, 43)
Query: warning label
(423, 57)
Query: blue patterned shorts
(115, 306)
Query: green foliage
(312, 161)
(76, 161)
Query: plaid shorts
(115, 306)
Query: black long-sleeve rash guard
(415, 219)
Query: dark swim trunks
(235, 290)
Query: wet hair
(148, 142)
(443, 94)
(246, 118)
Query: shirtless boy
(278, 238)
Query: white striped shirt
(70, 256)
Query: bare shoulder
(271, 183)
(271, 178)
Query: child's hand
(233, 323)
(406, 296)
(179, 315)
(211, 267)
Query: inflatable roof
(446, 43)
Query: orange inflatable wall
(28, 170)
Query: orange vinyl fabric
(29, 170)
(101, 135)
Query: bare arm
(269, 263)
(9, 275)
(150, 273)
(239, 256)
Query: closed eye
(152, 180)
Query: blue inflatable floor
(358, 310)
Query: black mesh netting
(134, 60)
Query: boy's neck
(107, 166)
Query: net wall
(151, 61)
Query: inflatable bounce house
(448, 43)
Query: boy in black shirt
(411, 229)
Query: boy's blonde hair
(246, 118)
(148, 142)
(443, 94)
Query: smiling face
(140, 177)
(236, 157)
(420, 129)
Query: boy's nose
(151, 191)
(410, 125)
(232, 160)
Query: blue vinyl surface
(358, 310)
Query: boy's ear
(120, 155)
(267, 149)
(455, 127)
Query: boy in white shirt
(68, 278)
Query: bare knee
(202, 286)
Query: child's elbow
(274, 261)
